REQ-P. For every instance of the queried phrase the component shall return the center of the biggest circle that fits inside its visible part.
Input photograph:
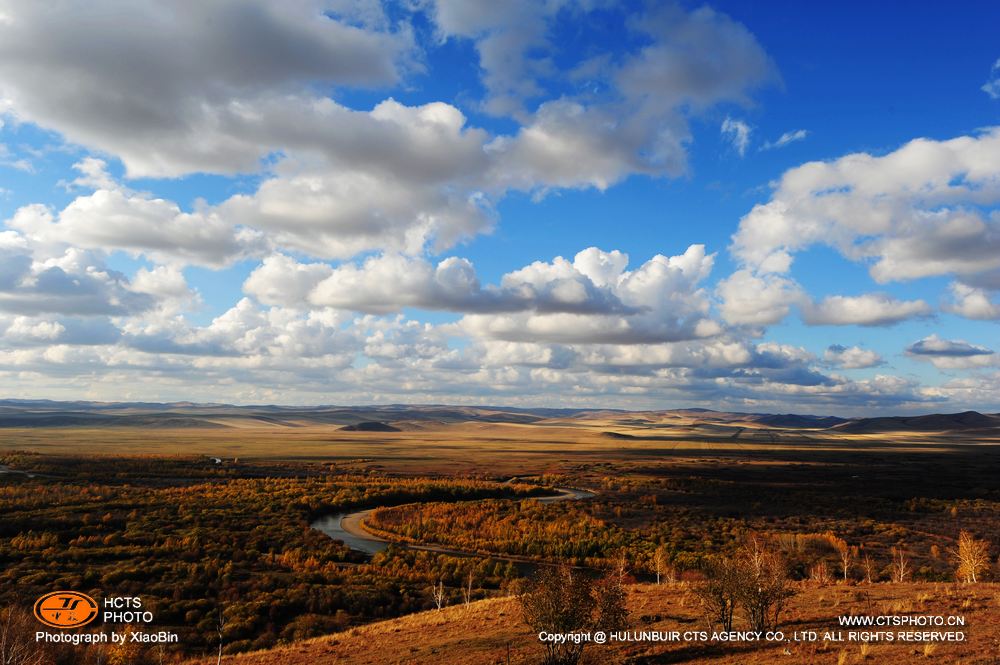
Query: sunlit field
(215, 522)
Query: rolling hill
(937, 422)
(404, 417)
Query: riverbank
(351, 530)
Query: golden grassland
(476, 447)
(481, 633)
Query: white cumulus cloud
(870, 309)
(928, 208)
(851, 357)
(757, 299)
(972, 303)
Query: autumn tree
(846, 554)
(562, 600)
(467, 589)
(899, 569)
(762, 583)
(220, 627)
(661, 564)
(868, 566)
(620, 565)
(718, 592)
(973, 557)
(437, 593)
(17, 639)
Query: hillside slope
(482, 633)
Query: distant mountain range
(48, 413)
(397, 417)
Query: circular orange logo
(65, 609)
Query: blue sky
(768, 206)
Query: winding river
(10, 471)
(347, 527)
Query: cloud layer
(349, 198)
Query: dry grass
(481, 634)
(445, 448)
(463, 635)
